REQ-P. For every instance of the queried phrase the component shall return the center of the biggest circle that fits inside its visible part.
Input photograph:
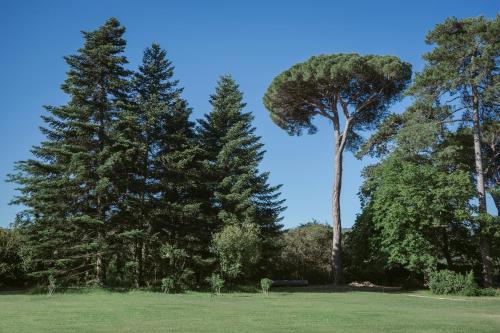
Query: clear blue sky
(252, 40)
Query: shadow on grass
(232, 289)
(38, 290)
(336, 289)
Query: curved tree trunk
(337, 225)
(484, 246)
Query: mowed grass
(137, 311)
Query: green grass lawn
(307, 311)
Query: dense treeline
(424, 203)
(126, 190)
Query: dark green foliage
(163, 195)
(422, 212)
(364, 259)
(461, 77)
(305, 253)
(458, 86)
(365, 84)
(70, 187)
(237, 192)
(448, 282)
(12, 271)
(123, 193)
(175, 266)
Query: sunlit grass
(306, 311)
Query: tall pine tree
(166, 180)
(238, 192)
(68, 187)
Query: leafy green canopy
(422, 211)
(363, 87)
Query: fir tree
(238, 192)
(166, 205)
(68, 186)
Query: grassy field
(307, 311)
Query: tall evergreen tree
(68, 187)
(461, 74)
(165, 185)
(238, 192)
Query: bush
(306, 253)
(448, 282)
(265, 284)
(174, 265)
(238, 249)
(167, 284)
(51, 288)
(216, 283)
(470, 287)
(488, 292)
(12, 270)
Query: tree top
(362, 87)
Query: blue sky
(252, 40)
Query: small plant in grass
(167, 285)
(265, 285)
(216, 283)
(51, 288)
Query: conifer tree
(166, 205)
(68, 186)
(239, 192)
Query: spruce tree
(68, 187)
(167, 206)
(238, 192)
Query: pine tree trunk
(99, 268)
(143, 260)
(337, 226)
(139, 282)
(484, 246)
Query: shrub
(488, 292)
(306, 253)
(470, 287)
(445, 282)
(265, 284)
(174, 262)
(449, 282)
(51, 288)
(167, 284)
(216, 283)
(238, 249)
(12, 270)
